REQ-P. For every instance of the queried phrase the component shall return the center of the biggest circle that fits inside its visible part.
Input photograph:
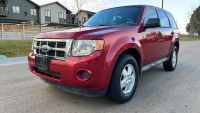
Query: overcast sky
(178, 8)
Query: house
(28, 12)
(53, 13)
(13, 11)
(83, 16)
(70, 18)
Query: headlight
(86, 47)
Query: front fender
(117, 48)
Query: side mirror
(152, 22)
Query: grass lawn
(15, 48)
(190, 39)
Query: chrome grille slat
(47, 44)
(40, 46)
(56, 48)
(59, 48)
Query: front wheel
(170, 65)
(124, 79)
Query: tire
(171, 64)
(123, 82)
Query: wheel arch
(177, 45)
(135, 53)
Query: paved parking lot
(158, 91)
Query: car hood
(81, 33)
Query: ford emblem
(45, 48)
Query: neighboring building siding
(81, 15)
(55, 9)
(25, 6)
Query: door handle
(172, 33)
(160, 34)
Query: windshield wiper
(101, 25)
(85, 26)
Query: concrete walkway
(11, 61)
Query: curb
(11, 61)
(188, 41)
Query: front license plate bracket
(42, 62)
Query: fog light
(85, 74)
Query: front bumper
(68, 69)
(86, 93)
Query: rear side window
(150, 13)
(171, 18)
(163, 19)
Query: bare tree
(78, 5)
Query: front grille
(60, 53)
(52, 44)
(59, 48)
(61, 44)
(51, 53)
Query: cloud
(90, 5)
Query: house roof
(88, 12)
(11, 20)
(61, 25)
(33, 3)
(58, 4)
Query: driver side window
(150, 13)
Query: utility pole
(162, 3)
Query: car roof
(145, 6)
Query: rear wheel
(124, 79)
(170, 65)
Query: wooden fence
(24, 32)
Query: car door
(152, 47)
(166, 32)
(173, 33)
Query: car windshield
(123, 16)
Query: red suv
(108, 53)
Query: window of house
(33, 12)
(16, 9)
(32, 22)
(47, 21)
(1, 9)
(68, 18)
(150, 13)
(61, 15)
(163, 19)
(84, 19)
(25, 13)
(76, 21)
(48, 13)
